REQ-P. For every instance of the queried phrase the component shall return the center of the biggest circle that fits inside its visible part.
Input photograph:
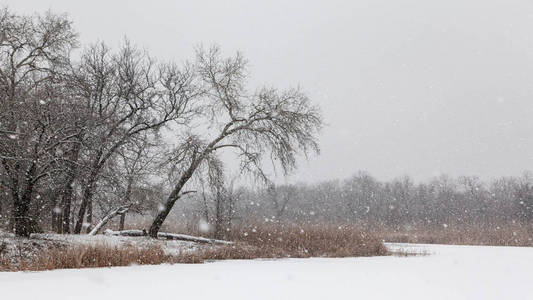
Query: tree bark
(68, 191)
(162, 215)
(87, 195)
(90, 186)
(23, 221)
(67, 204)
(21, 218)
(89, 215)
(56, 213)
(218, 216)
(122, 221)
(174, 196)
(57, 222)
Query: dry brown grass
(473, 234)
(99, 256)
(273, 240)
(87, 257)
(252, 241)
(293, 240)
(276, 239)
(495, 234)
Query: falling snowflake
(203, 226)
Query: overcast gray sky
(406, 87)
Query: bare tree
(283, 124)
(34, 114)
(127, 94)
(127, 177)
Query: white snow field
(448, 272)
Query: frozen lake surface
(448, 272)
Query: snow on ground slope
(448, 272)
(38, 242)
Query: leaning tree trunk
(162, 214)
(117, 211)
(127, 200)
(174, 196)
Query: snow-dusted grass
(448, 272)
(171, 247)
(42, 242)
(51, 251)
(497, 234)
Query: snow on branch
(117, 211)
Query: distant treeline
(361, 199)
(401, 203)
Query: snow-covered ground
(39, 242)
(447, 272)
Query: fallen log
(117, 211)
(168, 236)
